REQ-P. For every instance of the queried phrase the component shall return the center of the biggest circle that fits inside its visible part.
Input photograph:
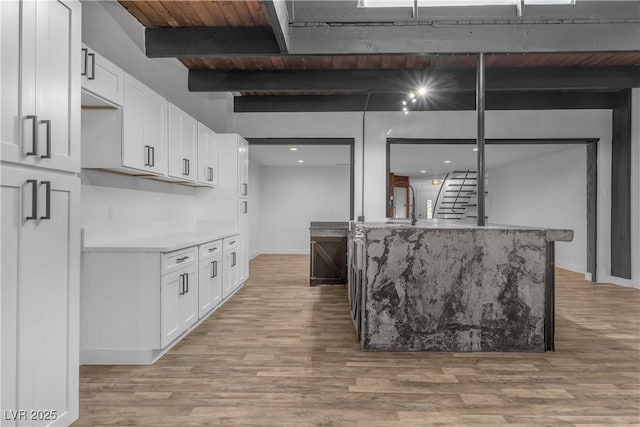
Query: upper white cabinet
(183, 145)
(144, 128)
(101, 77)
(243, 167)
(40, 114)
(207, 156)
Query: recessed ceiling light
(412, 95)
(293, 149)
(406, 112)
(475, 149)
(413, 100)
(300, 161)
(404, 109)
(447, 161)
(404, 102)
(423, 171)
(422, 90)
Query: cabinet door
(144, 128)
(100, 76)
(182, 144)
(243, 167)
(207, 156)
(209, 284)
(171, 288)
(243, 231)
(188, 301)
(229, 273)
(40, 293)
(43, 115)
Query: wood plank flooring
(282, 353)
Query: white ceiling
(410, 159)
(313, 155)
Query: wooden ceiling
(198, 13)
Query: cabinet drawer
(210, 249)
(231, 243)
(172, 261)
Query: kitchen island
(447, 286)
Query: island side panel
(454, 290)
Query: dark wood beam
(395, 80)
(621, 186)
(210, 42)
(454, 101)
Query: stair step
(456, 197)
(475, 216)
(469, 177)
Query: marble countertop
(562, 235)
(159, 243)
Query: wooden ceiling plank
(244, 17)
(257, 12)
(137, 12)
(229, 13)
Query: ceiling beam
(457, 101)
(340, 11)
(392, 80)
(467, 36)
(279, 17)
(210, 42)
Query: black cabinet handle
(153, 156)
(34, 199)
(184, 166)
(47, 123)
(212, 249)
(182, 285)
(245, 207)
(34, 136)
(85, 51)
(215, 268)
(210, 173)
(245, 189)
(93, 66)
(47, 214)
(147, 155)
(182, 259)
(188, 168)
(233, 263)
(186, 279)
(233, 242)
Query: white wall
(292, 197)
(635, 188)
(425, 190)
(109, 29)
(255, 207)
(442, 124)
(545, 191)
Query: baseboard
(627, 283)
(571, 267)
(284, 252)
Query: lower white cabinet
(231, 270)
(209, 283)
(179, 299)
(137, 302)
(39, 294)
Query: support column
(480, 92)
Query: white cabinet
(40, 93)
(101, 77)
(243, 231)
(179, 300)
(230, 272)
(207, 156)
(144, 128)
(40, 118)
(40, 291)
(243, 167)
(209, 277)
(183, 137)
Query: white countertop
(159, 243)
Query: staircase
(458, 196)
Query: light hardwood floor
(281, 353)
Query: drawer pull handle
(232, 243)
(213, 249)
(182, 259)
